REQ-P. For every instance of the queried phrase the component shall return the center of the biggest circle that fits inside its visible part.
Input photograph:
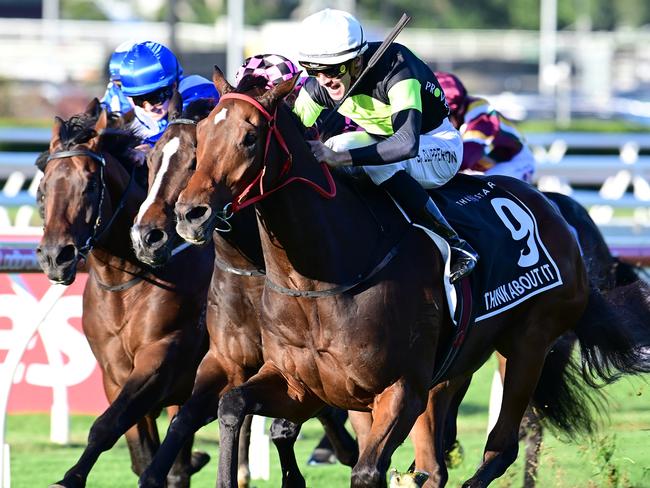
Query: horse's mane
(116, 139)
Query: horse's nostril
(196, 213)
(154, 236)
(66, 254)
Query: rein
(240, 200)
(182, 121)
(337, 290)
(223, 266)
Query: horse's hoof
(199, 459)
(321, 456)
(64, 484)
(413, 479)
(454, 457)
(146, 481)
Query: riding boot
(463, 256)
(416, 202)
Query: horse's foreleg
(268, 394)
(199, 410)
(345, 447)
(361, 424)
(434, 431)
(284, 434)
(142, 441)
(128, 405)
(394, 413)
(523, 369)
(243, 471)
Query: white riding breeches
(438, 160)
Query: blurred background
(566, 71)
(575, 74)
(540, 58)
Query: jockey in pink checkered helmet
(274, 67)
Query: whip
(372, 61)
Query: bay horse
(145, 327)
(233, 297)
(354, 305)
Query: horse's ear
(220, 81)
(278, 92)
(128, 117)
(100, 125)
(55, 140)
(102, 121)
(94, 108)
(175, 106)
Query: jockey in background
(114, 100)
(409, 143)
(491, 142)
(149, 73)
(194, 87)
(276, 68)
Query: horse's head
(232, 146)
(171, 163)
(72, 195)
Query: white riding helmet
(330, 37)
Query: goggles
(156, 97)
(329, 70)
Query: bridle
(185, 245)
(240, 200)
(95, 235)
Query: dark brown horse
(146, 328)
(354, 305)
(605, 272)
(234, 296)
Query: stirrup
(462, 266)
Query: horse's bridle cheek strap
(239, 202)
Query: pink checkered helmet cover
(274, 67)
(455, 91)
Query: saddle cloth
(514, 263)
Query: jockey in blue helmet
(114, 100)
(149, 73)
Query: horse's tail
(614, 333)
(562, 399)
(626, 273)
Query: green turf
(619, 457)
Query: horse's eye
(250, 138)
(40, 201)
(92, 186)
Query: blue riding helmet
(194, 87)
(147, 67)
(116, 59)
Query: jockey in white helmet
(409, 142)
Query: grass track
(619, 457)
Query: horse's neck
(305, 234)
(115, 241)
